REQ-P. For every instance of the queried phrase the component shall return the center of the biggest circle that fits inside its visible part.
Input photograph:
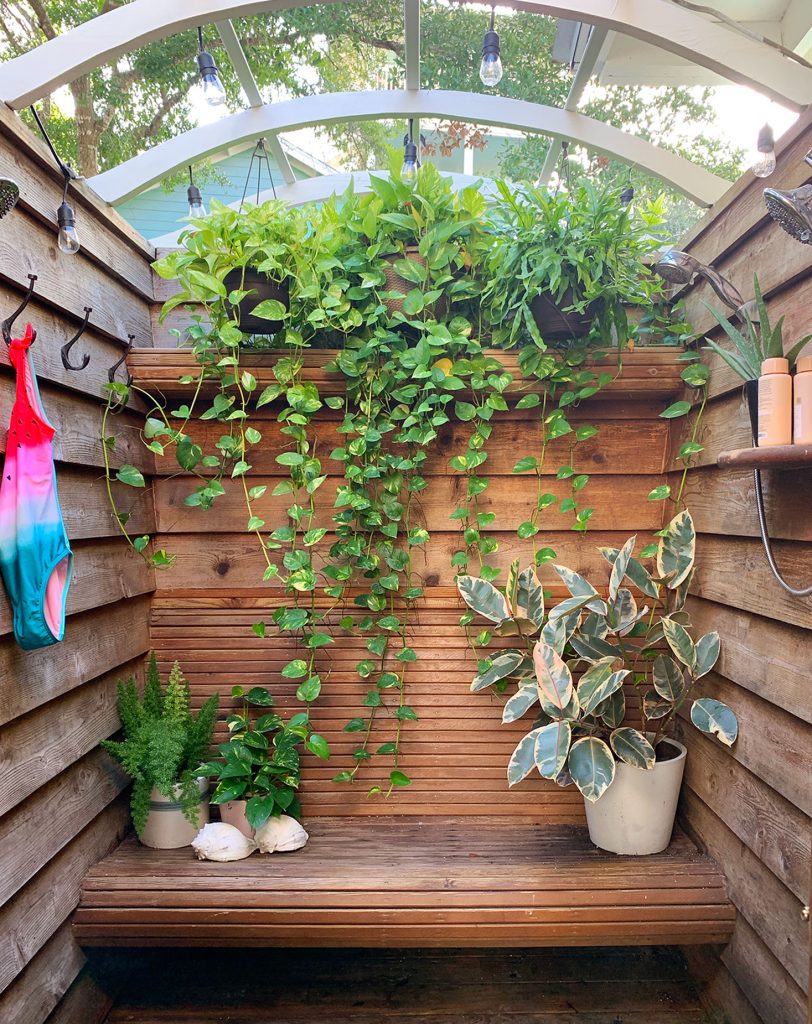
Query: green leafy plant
(584, 248)
(261, 762)
(163, 742)
(581, 728)
(757, 341)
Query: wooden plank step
(409, 881)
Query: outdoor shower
(678, 268)
(792, 209)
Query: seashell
(280, 835)
(218, 841)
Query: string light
(67, 237)
(196, 207)
(213, 91)
(490, 70)
(408, 172)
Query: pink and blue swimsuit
(35, 557)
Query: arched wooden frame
(141, 171)
(732, 55)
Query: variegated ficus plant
(570, 663)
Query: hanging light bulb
(626, 195)
(67, 239)
(408, 172)
(490, 70)
(765, 162)
(213, 91)
(196, 207)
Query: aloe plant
(571, 663)
(758, 341)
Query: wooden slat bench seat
(409, 881)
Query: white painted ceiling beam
(411, 37)
(592, 52)
(141, 171)
(101, 40)
(245, 75)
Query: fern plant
(758, 341)
(163, 740)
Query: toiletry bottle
(774, 403)
(802, 402)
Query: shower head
(792, 210)
(680, 268)
(9, 194)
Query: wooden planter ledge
(648, 373)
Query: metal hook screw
(65, 350)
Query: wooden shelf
(647, 374)
(785, 456)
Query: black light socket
(65, 217)
(766, 140)
(205, 63)
(193, 195)
(490, 44)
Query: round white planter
(167, 828)
(635, 815)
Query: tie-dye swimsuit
(35, 557)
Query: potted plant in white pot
(573, 665)
(260, 771)
(163, 743)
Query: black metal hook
(8, 323)
(65, 350)
(111, 373)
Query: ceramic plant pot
(261, 287)
(635, 815)
(554, 324)
(167, 828)
(233, 813)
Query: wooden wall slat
(97, 641)
(37, 991)
(45, 742)
(37, 829)
(763, 978)
(40, 907)
(769, 907)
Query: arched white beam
(728, 53)
(144, 170)
(322, 187)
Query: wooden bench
(455, 859)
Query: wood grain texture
(784, 457)
(37, 991)
(405, 882)
(40, 907)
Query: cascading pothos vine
(401, 283)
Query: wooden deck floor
(588, 986)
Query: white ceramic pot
(635, 815)
(167, 828)
(233, 813)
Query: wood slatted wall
(751, 806)
(61, 803)
(204, 608)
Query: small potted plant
(260, 770)
(562, 262)
(756, 341)
(163, 744)
(572, 665)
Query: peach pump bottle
(802, 402)
(774, 403)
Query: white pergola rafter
(144, 170)
(245, 76)
(728, 53)
(589, 59)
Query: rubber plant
(571, 663)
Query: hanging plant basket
(555, 322)
(260, 287)
(396, 283)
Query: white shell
(280, 835)
(218, 841)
